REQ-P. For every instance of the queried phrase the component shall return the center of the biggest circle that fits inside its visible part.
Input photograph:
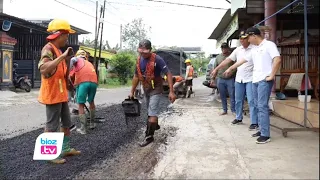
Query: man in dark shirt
(225, 83)
(148, 71)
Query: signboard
(231, 28)
(7, 66)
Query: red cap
(56, 34)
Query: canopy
(104, 54)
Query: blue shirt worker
(149, 68)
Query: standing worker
(85, 80)
(243, 84)
(189, 76)
(54, 69)
(266, 62)
(148, 71)
(225, 83)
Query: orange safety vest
(85, 73)
(148, 77)
(53, 90)
(190, 74)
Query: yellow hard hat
(187, 61)
(59, 24)
(81, 53)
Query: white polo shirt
(244, 72)
(262, 57)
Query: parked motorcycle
(21, 82)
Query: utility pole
(1, 6)
(101, 21)
(120, 36)
(96, 39)
(95, 36)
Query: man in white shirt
(266, 62)
(243, 82)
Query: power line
(115, 14)
(180, 4)
(84, 12)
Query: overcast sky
(172, 25)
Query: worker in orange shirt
(178, 82)
(54, 69)
(189, 77)
(84, 78)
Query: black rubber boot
(157, 127)
(151, 127)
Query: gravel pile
(96, 147)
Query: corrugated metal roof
(45, 23)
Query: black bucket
(131, 107)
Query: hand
(227, 72)
(269, 78)
(214, 73)
(172, 97)
(131, 95)
(68, 53)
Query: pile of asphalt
(16, 154)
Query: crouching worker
(148, 71)
(178, 83)
(54, 82)
(85, 80)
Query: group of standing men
(257, 61)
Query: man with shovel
(148, 71)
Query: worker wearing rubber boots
(148, 71)
(84, 78)
(189, 77)
(54, 70)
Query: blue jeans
(261, 94)
(224, 86)
(242, 89)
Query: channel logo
(48, 146)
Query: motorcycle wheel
(27, 88)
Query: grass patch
(114, 83)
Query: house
(31, 37)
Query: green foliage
(200, 61)
(133, 33)
(123, 65)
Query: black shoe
(263, 140)
(146, 141)
(257, 134)
(253, 127)
(75, 111)
(158, 127)
(72, 127)
(236, 121)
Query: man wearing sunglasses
(149, 68)
(266, 62)
(243, 83)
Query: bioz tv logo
(48, 146)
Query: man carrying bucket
(148, 71)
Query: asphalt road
(22, 113)
(109, 151)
